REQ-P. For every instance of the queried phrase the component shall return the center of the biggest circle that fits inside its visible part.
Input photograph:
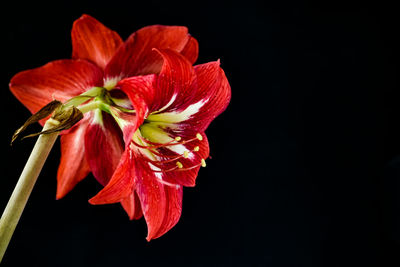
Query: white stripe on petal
(159, 176)
(157, 171)
(180, 149)
(169, 103)
(178, 116)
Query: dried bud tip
(41, 114)
(63, 117)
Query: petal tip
(60, 193)
(191, 183)
(150, 237)
(95, 200)
(84, 16)
(62, 190)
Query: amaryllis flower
(100, 59)
(167, 145)
(146, 109)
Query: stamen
(203, 163)
(169, 170)
(160, 159)
(158, 145)
(151, 147)
(172, 157)
(176, 141)
(180, 165)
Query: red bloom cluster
(145, 107)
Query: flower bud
(65, 117)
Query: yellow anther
(185, 154)
(196, 148)
(178, 138)
(180, 166)
(199, 136)
(203, 163)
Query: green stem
(23, 189)
(90, 106)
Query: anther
(199, 136)
(203, 163)
(180, 165)
(196, 148)
(185, 154)
(178, 138)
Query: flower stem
(23, 189)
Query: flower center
(165, 153)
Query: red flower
(100, 59)
(167, 145)
(146, 109)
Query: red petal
(135, 56)
(214, 86)
(121, 183)
(173, 210)
(131, 205)
(173, 88)
(104, 147)
(73, 165)
(93, 41)
(61, 80)
(152, 197)
(141, 92)
(176, 80)
(127, 122)
(211, 97)
(191, 50)
(161, 204)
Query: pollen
(180, 165)
(196, 148)
(203, 163)
(178, 138)
(185, 154)
(199, 136)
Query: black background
(305, 162)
